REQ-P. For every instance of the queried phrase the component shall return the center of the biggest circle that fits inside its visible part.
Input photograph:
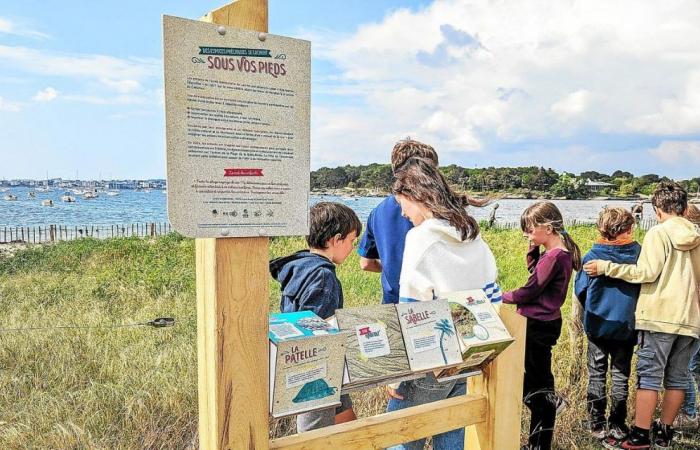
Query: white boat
(112, 193)
(78, 191)
(4, 190)
(68, 198)
(89, 195)
(11, 198)
(47, 202)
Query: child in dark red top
(540, 301)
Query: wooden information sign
(237, 130)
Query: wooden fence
(643, 224)
(54, 233)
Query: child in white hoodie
(444, 252)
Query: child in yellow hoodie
(667, 315)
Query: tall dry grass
(136, 387)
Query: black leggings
(538, 388)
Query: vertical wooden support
(232, 314)
(232, 349)
(502, 383)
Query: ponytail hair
(422, 182)
(547, 214)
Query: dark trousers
(604, 353)
(538, 388)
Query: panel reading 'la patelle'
(237, 130)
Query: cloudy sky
(587, 85)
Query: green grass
(136, 387)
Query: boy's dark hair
(328, 219)
(670, 197)
(409, 148)
(612, 222)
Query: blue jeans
(689, 407)
(427, 390)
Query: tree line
(530, 181)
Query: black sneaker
(637, 440)
(662, 435)
(597, 431)
(618, 431)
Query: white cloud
(116, 74)
(677, 114)
(462, 72)
(572, 105)
(123, 86)
(46, 95)
(9, 106)
(8, 26)
(677, 152)
(124, 99)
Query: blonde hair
(612, 222)
(693, 214)
(547, 214)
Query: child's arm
(322, 296)
(649, 265)
(367, 249)
(539, 279)
(414, 286)
(532, 257)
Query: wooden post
(232, 314)
(502, 383)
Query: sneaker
(618, 432)
(635, 441)
(597, 431)
(662, 435)
(685, 421)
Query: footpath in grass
(99, 386)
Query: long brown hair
(409, 148)
(546, 213)
(422, 182)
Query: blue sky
(585, 86)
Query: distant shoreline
(349, 192)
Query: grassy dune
(119, 387)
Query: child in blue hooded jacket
(608, 320)
(309, 283)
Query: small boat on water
(78, 191)
(89, 195)
(31, 194)
(47, 202)
(67, 198)
(112, 193)
(11, 198)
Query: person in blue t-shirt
(381, 247)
